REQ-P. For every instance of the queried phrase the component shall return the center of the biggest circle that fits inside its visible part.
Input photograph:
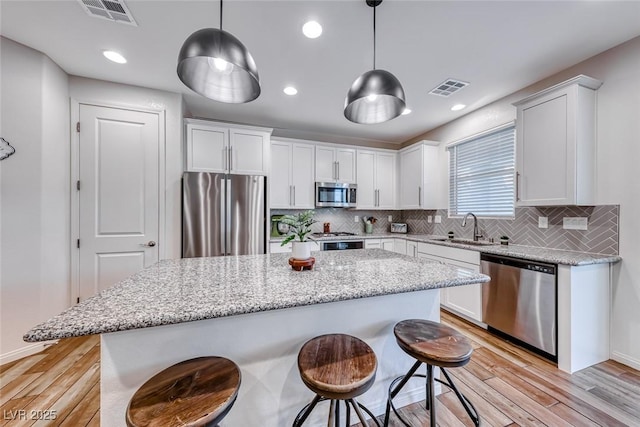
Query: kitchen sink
(465, 241)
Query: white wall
(618, 158)
(34, 189)
(113, 94)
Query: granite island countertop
(533, 253)
(184, 290)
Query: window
(481, 174)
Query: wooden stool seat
(196, 392)
(337, 366)
(433, 343)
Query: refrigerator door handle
(227, 220)
(223, 216)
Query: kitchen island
(258, 312)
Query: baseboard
(24, 351)
(626, 360)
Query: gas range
(333, 234)
(337, 245)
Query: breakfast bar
(256, 311)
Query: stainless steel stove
(338, 245)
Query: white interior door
(119, 195)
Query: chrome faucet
(476, 234)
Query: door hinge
(78, 127)
(78, 185)
(78, 243)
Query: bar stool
(434, 344)
(196, 392)
(337, 367)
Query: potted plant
(504, 240)
(299, 230)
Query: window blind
(481, 174)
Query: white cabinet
(421, 170)
(276, 248)
(291, 181)
(386, 244)
(462, 300)
(400, 246)
(218, 147)
(556, 145)
(335, 164)
(412, 248)
(376, 178)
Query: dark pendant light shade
(216, 65)
(377, 95)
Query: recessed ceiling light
(312, 29)
(290, 90)
(114, 56)
(458, 107)
(406, 111)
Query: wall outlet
(437, 219)
(543, 222)
(430, 219)
(390, 218)
(356, 218)
(575, 223)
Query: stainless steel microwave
(336, 195)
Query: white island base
(265, 346)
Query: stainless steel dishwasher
(520, 302)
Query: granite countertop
(533, 253)
(184, 290)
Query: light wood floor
(509, 387)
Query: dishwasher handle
(537, 266)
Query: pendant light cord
(220, 15)
(374, 37)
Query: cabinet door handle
(517, 186)
(290, 198)
(419, 196)
(294, 195)
(230, 158)
(338, 169)
(378, 198)
(224, 158)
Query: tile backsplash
(601, 236)
(343, 219)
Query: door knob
(150, 244)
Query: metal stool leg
(304, 413)
(394, 391)
(468, 406)
(347, 422)
(430, 396)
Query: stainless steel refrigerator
(223, 214)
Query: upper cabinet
(421, 182)
(556, 144)
(225, 148)
(376, 173)
(291, 182)
(335, 164)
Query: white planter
(301, 250)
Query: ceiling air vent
(113, 10)
(448, 87)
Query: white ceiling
(497, 46)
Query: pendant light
(216, 65)
(377, 95)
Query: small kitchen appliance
(335, 195)
(278, 229)
(398, 227)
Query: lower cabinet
(276, 248)
(412, 248)
(386, 244)
(465, 301)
